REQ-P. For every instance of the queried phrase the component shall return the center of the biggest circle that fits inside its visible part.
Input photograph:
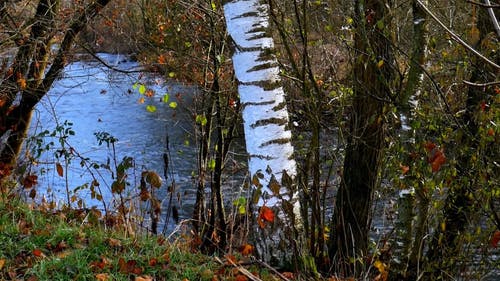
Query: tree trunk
(267, 135)
(27, 82)
(372, 77)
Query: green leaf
(211, 164)
(201, 119)
(188, 44)
(171, 74)
(213, 6)
(380, 24)
(151, 108)
(142, 89)
(135, 86)
(173, 104)
(165, 98)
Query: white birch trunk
(265, 117)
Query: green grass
(47, 245)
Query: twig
(480, 85)
(241, 269)
(456, 37)
(493, 18)
(272, 269)
(483, 5)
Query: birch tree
(267, 135)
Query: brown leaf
(404, 169)
(288, 275)
(143, 278)
(2, 263)
(30, 180)
(437, 160)
(129, 266)
(59, 169)
(246, 249)
(241, 277)
(114, 242)
(495, 238)
(102, 277)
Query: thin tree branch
(493, 18)
(456, 37)
(487, 5)
(481, 85)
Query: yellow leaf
(380, 266)
(151, 108)
(380, 63)
(22, 83)
(2, 263)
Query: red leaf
(429, 146)
(404, 169)
(483, 106)
(437, 160)
(266, 214)
(495, 238)
(241, 277)
(38, 253)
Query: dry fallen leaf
(143, 278)
(246, 249)
(114, 242)
(102, 277)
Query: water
(96, 99)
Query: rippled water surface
(96, 99)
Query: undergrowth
(40, 244)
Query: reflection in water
(96, 99)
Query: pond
(91, 98)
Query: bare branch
(456, 37)
(481, 85)
(493, 18)
(487, 5)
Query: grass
(39, 244)
(43, 245)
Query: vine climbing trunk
(267, 135)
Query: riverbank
(41, 244)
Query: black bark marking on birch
(246, 15)
(276, 141)
(266, 85)
(244, 105)
(264, 66)
(269, 121)
(264, 157)
(280, 106)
